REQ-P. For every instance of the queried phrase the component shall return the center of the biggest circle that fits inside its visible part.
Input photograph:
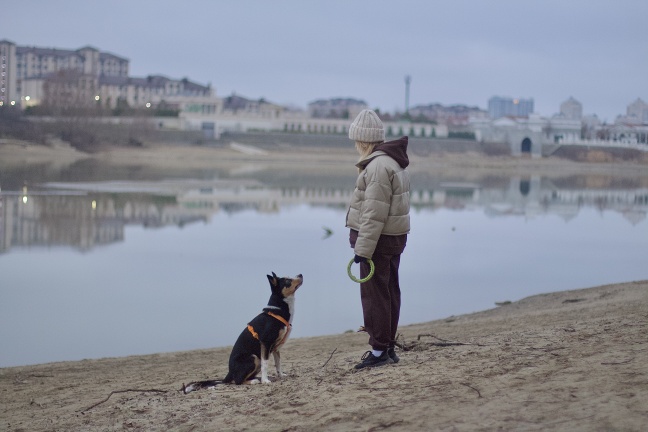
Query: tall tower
(408, 79)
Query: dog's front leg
(264, 365)
(277, 360)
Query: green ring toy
(369, 276)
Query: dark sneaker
(370, 360)
(391, 352)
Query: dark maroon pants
(381, 295)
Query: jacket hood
(396, 149)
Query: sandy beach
(573, 360)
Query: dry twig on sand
(444, 342)
(123, 391)
(330, 357)
(618, 363)
(384, 425)
(471, 387)
(417, 344)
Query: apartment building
(336, 108)
(28, 72)
(452, 115)
(505, 106)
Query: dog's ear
(272, 279)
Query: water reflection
(87, 215)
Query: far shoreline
(443, 157)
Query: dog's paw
(253, 381)
(266, 381)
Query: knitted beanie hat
(367, 127)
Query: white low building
(214, 118)
(527, 134)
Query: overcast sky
(294, 52)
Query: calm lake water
(93, 267)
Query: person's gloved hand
(359, 259)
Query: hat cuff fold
(366, 134)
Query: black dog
(264, 335)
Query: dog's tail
(197, 385)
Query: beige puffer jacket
(380, 202)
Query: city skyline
(455, 53)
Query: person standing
(379, 222)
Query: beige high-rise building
(7, 72)
(638, 110)
(571, 109)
